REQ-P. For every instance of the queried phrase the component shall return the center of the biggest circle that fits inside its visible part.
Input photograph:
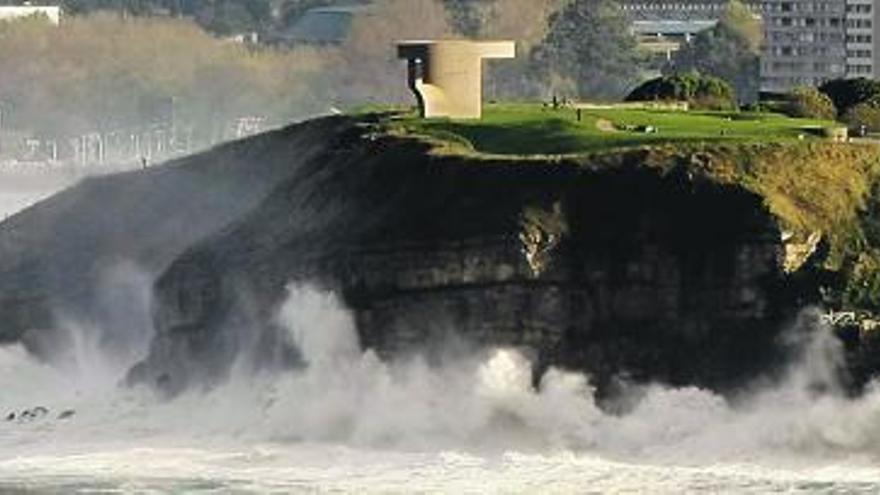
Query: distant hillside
(222, 17)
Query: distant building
(808, 42)
(862, 40)
(662, 27)
(322, 25)
(804, 43)
(51, 12)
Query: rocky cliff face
(616, 265)
(612, 270)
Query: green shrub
(847, 93)
(864, 114)
(767, 106)
(700, 91)
(810, 103)
(862, 287)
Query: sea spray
(98, 345)
(486, 401)
(476, 414)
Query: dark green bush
(700, 91)
(768, 106)
(847, 93)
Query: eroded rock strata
(625, 269)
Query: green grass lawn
(527, 129)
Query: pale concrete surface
(447, 76)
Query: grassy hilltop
(532, 129)
(814, 185)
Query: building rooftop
(672, 10)
(645, 10)
(324, 25)
(672, 27)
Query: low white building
(51, 12)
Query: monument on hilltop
(447, 76)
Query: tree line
(114, 70)
(107, 71)
(102, 72)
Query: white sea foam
(351, 422)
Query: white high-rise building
(861, 41)
(804, 43)
(808, 42)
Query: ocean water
(470, 423)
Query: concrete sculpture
(447, 76)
